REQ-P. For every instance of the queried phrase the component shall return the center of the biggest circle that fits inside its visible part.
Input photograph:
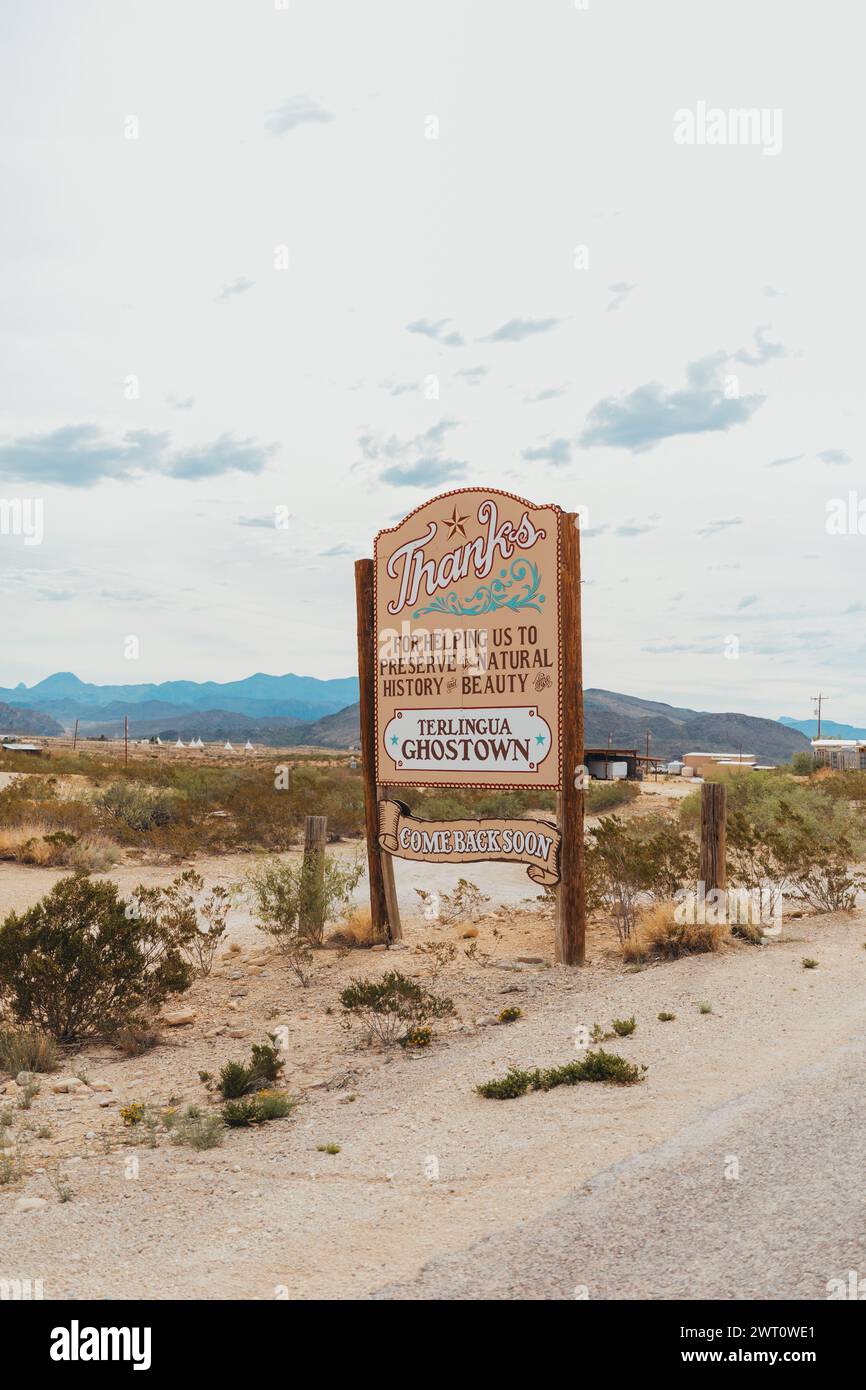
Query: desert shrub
(292, 901)
(659, 935)
(624, 1027)
(784, 834)
(79, 963)
(803, 763)
(239, 1079)
(392, 1006)
(197, 1128)
(257, 1110)
(510, 1015)
(466, 802)
(134, 807)
(137, 1037)
(628, 861)
(604, 796)
(197, 922)
(24, 1049)
(355, 929)
(598, 1066)
(463, 905)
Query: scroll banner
(531, 842)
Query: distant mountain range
(286, 711)
(299, 697)
(829, 728)
(22, 721)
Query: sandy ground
(425, 1166)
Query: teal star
(539, 738)
(394, 738)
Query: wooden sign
(469, 664)
(531, 842)
(468, 633)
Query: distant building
(843, 754)
(700, 763)
(21, 748)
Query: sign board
(535, 843)
(468, 634)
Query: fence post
(311, 917)
(711, 870)
(571, 893)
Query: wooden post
(390, 884)
(311, 918)
(571, 896)
(366, 680)
(126, 739)
(75, 736)
(711, 870)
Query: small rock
(486, 1021)
(237, 1032)
(62, 1085)
(10, 1089)
(99, 1086)
(25, 1077)
(531, 960)
(379, 948)
(181, 1019)
(30, 1203)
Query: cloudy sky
(311, 263)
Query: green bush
(392, 1006)
(257, 1110)
(80, 963)
(627, 860)
(292, 902)
(238, 1079)
(135, 807)
(597, 1066)
(604, 796)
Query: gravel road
(762, 1198)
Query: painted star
(539, 738)
(394, 739)
(455, 523)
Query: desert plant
(137, 1037)
(510, 1015)
(57, 1177)
(463, 905)
(597, 1066)
(391, 1006)
(135, 807)
(29, 1092)
(809, 963)
(238, 1079)
(258, 1109)
(665, 1017)
(79, 963)
(23, 1049)
(197, 1128)
(705, 1008)
(624, 1027)
(629, 861)
(328, 1148)
(291, 900)
(438, 954)
(660, 935)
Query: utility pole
(819, 700)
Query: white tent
(248, 747)
(179, 744)
(227, 746)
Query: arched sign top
(468, 643)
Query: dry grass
(355, 931)
(466, 931)
(659, 936)
(24, 1049)
(34, 843)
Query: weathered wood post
(711, 870)
(571, 894)
(384, 915)
(311, 917)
